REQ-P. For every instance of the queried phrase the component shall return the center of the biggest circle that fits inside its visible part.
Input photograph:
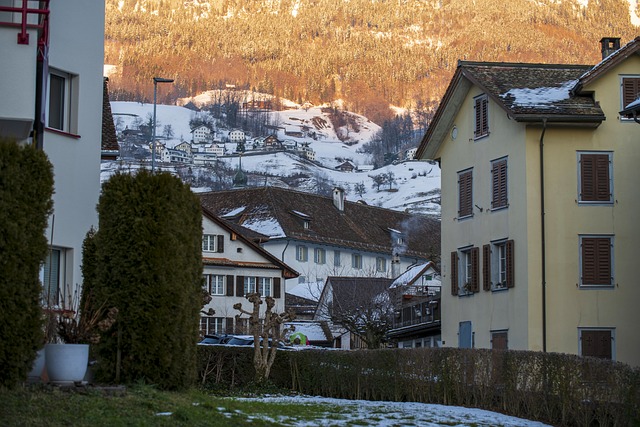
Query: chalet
(233, 266)
(52, 91)
(346, 167)
(200, 134)
(539, 205)
(184, 146)
(322, 236)
(272, 142)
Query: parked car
(214, 339)
(248, 340)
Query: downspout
(543, 242)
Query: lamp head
(162, 80)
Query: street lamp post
(156, 80)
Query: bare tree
(267, 332)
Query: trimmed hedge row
(549, 387)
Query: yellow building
(540, 202)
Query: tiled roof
(631, 48)
(110, 147)
(352, 291)
(530, 90)
(358, 226)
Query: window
(52, 275)
(356, 261)
(596, 261)
(597, 342)
(465, 193)
(381, 264)
(481, 107)
(62, 101)
(301, 253)
(211, 325)
(264, 286)
(595, 177)
(336, 259)
(320, 256)
(212, 243)
(214, 284)
(249, 285)
(499, 340)
(499, 195)
(498, 265)
(630, 91)
(465, 271)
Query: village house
(539, 205)
(52, 96)
(233, 266)
(200, 134)
(346, 167)
(321, 236)
(184, 146)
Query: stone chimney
(338, 198)
(395, 266)
(609, 45)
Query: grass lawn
(140, 406)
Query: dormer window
(305, 224)
(397, 238)
(304, 218)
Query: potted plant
(69, 332)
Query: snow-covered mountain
(415, 185)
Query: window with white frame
(320, 256)
(211, 325)
(464, 271)
(62, 102)
(381, 264)
(264, 286)
(595, 177)
(356, 261)
(499, 193)
(597, 342)
(212, 243)
(629, 92)
(337, 261)
(214, 284)
(302, 253)
(250, 285)
(498, 265)
(481, 116)
(596, 261)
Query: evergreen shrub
(26, 187)
(148, 265)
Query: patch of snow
(633, 12)
(234, 212)
(268, 226)
(308, 290)
(528, 97)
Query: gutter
(543, 242)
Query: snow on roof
(412, 273)
(308, 290)
(529, 97)
(312, 330)
(267, 226)
(304, 215)
(235, 212)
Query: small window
(214, 284)
(481, 109)
(62, 101)
(381, 264)
(264, 286)
(630, 91)
(498, 265)
(212, 243)
(249, 285)
(337, 261)
(499, 194)
(465, 193)
(356, 261)
(595, 184)
(52, 276)
(319, 256)
(302, 253)
(499, 340)
(597, 342)
(212, 325)
(465, 271)
(305, 224)
(596, 261)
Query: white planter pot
(66, 363)
(38, 367)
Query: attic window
(481, 107)
(306, 219)
(234, 214)
(397, 236)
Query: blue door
(465, 335)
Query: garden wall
(549, 387)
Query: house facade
(52, 97)
(200, 134)
(539, 174)
(233, 266)
(320, 236)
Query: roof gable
(631, 48)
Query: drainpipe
(543, 242)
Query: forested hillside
(370, 53)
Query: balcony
(23, 42)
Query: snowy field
(341, 412)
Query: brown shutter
(228, 323)
(596, 344)
(596, 261)
(510, 264)
(499, 341)
(630, 90)
(475, 269)
(454, 273)
(484, 102)
(220, 238)
(239, 286)
(486, 267)
(478, 107)
(499, 184)
(465, 194)
(229, 286)
(594, 178)
(276, 287)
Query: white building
(236, 136)
(68, 122)
(200, 134)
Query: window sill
(594, 203)
(499, 208)
(462, 218)
(61, 132)
(596, 287)
(499, 289)
(479, 137)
